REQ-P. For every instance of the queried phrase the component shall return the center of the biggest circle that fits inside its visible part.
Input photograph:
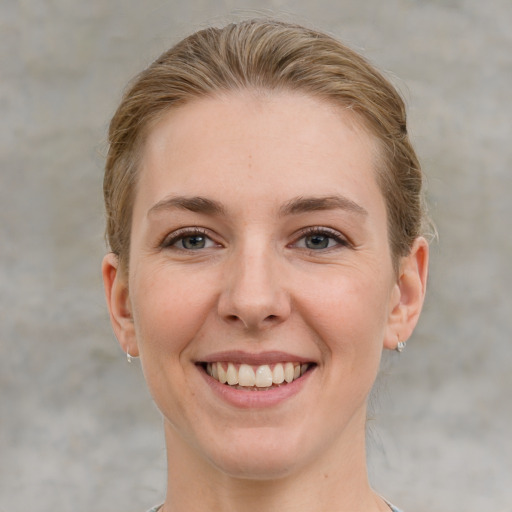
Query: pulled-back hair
(272, 56)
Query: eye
(193, 242)
(189, 240)
(317, 239)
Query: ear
(115, 282)
(408, 294)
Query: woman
(265, 223)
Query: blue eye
(193, 242)
(315, 239)
(189, 240)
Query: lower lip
(256, 399)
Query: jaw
(266, 446)
(259, 435)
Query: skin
(258, 286)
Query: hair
(266, 55)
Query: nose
(254, 296)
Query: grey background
(77, 428)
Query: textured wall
(77, 429)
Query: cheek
(169, 309)
(350, 300)
(349, 313)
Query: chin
(257, 454)
(258, 468)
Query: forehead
(282, 144)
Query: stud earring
(400, 346)
(129, 357)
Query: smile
(256, 378)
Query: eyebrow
(296, 206)
(300, 205)
(195, 204)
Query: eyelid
(340, 238)
(170, 239)
(342, 241)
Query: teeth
(278, 374)
(222, 373)
(263, 376)
(232, 375)
(288, 372)
(247, 376)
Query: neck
(339, 476)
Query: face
(259, 254)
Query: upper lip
(256, 359)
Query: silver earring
(129, 357)
(400, 346)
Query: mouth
(247, 377)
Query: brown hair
(275, 56)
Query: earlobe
(408, 295)
(118, 301)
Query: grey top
(392, 507)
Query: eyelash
(332, 234)
(183, 233)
